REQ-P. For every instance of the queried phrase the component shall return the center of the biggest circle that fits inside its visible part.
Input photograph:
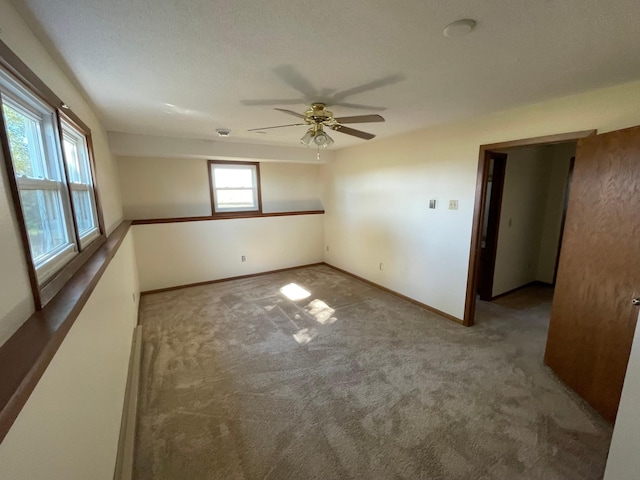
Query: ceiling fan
(317, 118)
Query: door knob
(636, 301)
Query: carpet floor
(350, 382)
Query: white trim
(126, 444)
(89, 236)
(53, 261)
(254, 188)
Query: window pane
(84, 214)
(25, 142)
(233, 177)
(73, 161)
(44, 221)
(235, 198)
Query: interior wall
(521, 218)
(179, 187)
(69, 427)
(290, 187)
(623, 462)
(531, 215)
(192, 252)
(376, 195)
(559, 157)
(16, 299)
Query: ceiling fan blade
(381, 82)
(290, 112)
(353, 132)
(294, 79)
(357, 106)
(277, 126)
(360, 119)
(275, 101)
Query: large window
(49, 158)
(235, 186)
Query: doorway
(483, 201)
(523, 217)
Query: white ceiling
(183, 68)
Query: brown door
(593, 319)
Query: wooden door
(592, 318)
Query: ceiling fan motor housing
(318, 114)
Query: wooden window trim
(26, 355)
(240, 213)
(45, 292)
(153, 221)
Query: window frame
(66, 124)
(257, 189)
(60, 270)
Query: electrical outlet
(453, 204)
(244, 259)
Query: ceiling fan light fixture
(321, 139)
(307, 138)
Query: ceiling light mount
(459, 28)
(223, 132)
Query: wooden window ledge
(224, 216)
(26, 355)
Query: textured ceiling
(186, 67)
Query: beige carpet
(239, 382)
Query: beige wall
(290, 187)
(179, 187)
(560, 160)
(531, 215)
(376, 195)
(624, 462)
(521, 219)
(208, 250)
(164, 187)
(69, 427)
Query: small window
(76, 154)
(49, 158)
(235, 186)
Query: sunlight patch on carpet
(294, 292)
